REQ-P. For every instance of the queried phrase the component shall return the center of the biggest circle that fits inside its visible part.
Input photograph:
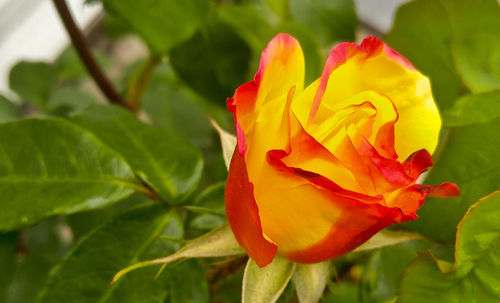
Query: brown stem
(86, 56)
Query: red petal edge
(243, 213)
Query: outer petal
(351, 69)
(243, 214)
(281, 69)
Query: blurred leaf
(52, 167)
(310, 281)
(204, 210)
(40, 247)
(331, 20)
(342, 292)
(169, 164)
(85, 273)
(82, 223)
(162, 24)
(188, 283)
(32, 81)
(477, 60)
(115, 26)
(387, 237)
(281, 7)
(429, 52)
(265, 284)
(310, 46)
(219, 242)
(69, 66)
(383, 272)
(8, 110)
(252, 22)
(214, 62)
(169, 106)
(212, 198)
(441, 25)
(8, 249)
(67, 99)
(476, 108)
(257, 26)
(469, 159)
(475, 276)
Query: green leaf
(331, 20)
(252, 22)
(161, 24)
(477, 60)
(281, 7)
(8, 249)
(470, 109)
(169, 164)
(8, 110)
(69, 66)
(214, 62)
(265, 284)
(211, 199)
(310, 281)
(51, 167)
(40, 248)
(475, 276)
(32, 81)
(169, 105)
(217, 243)
(188, 283)
(85, 273)
(469, 159)
(67, 99)
(441, 45)
(384, 270)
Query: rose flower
(318, 171)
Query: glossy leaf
(161, 24)
(52, 167)
(169, 164)
(310, 281)
(265, 284)
(469, 159)
(470, 109)
(85, 273)
(475, 276)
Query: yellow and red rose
(318, 171)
